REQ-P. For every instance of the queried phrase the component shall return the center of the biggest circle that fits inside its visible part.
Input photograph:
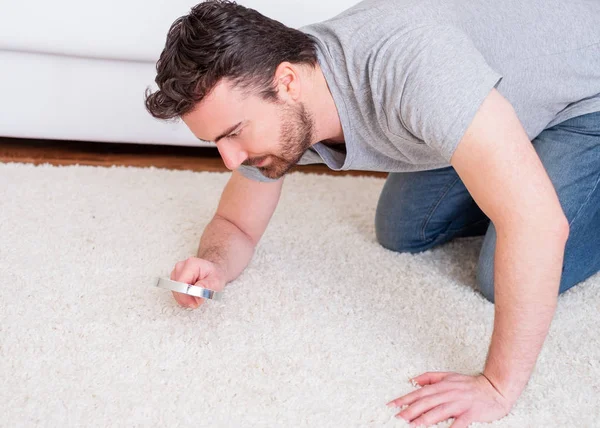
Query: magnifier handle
(192, 290)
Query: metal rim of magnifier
(192, 290)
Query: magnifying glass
(192, 290)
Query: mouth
(262, 162)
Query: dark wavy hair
(220, 39)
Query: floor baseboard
(60, 152)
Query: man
(486, 114)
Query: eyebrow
(227, 132)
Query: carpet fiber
(321, 330)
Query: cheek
(262, 142)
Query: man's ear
(287, 81)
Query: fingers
(176, 271)
(197, 272)
(423, 408)
(187, 271)
(185, 300)
(463, 421)
(431, 377)
(420, 393)
(441, 413)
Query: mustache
(254, 161)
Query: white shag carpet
(322, 329)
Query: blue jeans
(419, 210)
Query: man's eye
(234, 135)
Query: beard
(296, 135)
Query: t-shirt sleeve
(433, 80)
(253, 173)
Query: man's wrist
(509, 392)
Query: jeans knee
(485, 280)
(405, 247)
(485, 265)
(399, 244)
(400, 237)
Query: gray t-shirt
(408, 76)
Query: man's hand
(201, 273)
(444, 395)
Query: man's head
(224, 64)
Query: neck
(327, 121)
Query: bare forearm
(528, 268)
(226, 245)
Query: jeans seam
(466, 227)
(434, 207)
(584, 203)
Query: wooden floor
(139, 155)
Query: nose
(232, 155)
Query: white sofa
(77, 69)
